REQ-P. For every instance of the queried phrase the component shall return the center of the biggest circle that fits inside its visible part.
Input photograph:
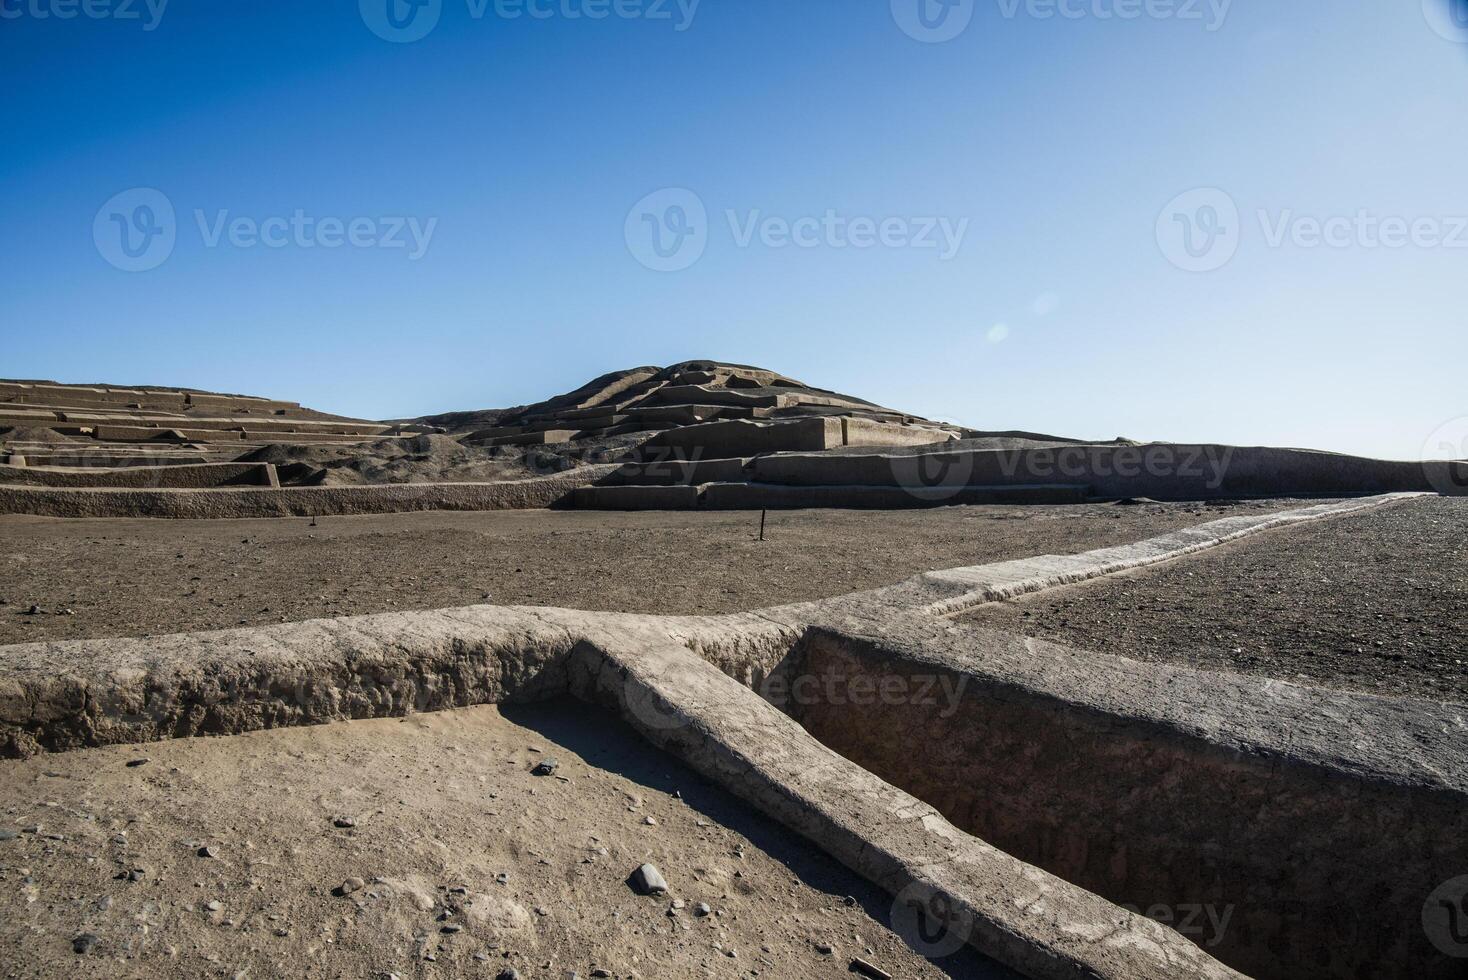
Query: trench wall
(1318, 869)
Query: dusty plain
(1376, 602)
(136, 577)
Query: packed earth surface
(133, 577)
(430, 846)
(1375, 602)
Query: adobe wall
(1312, 824)
(194, 475)
(738, 437)
(230, 502)
(1160, 471)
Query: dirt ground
(1376, 603)
(469, 863)
(125, 577)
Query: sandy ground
(1376, 602)
(138, 577)
(469, 863)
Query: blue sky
(531, 152)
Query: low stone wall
(297, 501)
(1293, 832)
(192, 475)
(1160, 471)
(740, 437)
(60, 695)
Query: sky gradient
(1025, 225)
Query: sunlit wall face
(1178, 219)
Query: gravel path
(1376, 602)
(466, 863)
(139, 577)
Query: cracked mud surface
(125, 577)
(1376, 602)
(439, 802)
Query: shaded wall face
(1279, 869)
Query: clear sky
(1237, 221)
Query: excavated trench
(1277, 864)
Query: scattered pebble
(83, 944)
(134, 763)
(352, 884)
(546, 766)
(208, 852)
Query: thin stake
(762, 524)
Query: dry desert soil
(1376, 602)
(134, 577)
(228, 857)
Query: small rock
(208, 851)
(213, 906)
(451, 928)
(509, 973)
(137, 874)
(702, 909)
(84, 943)
(648, 880)
(104, 903)
(849, 901)
(134, 763)
(344, 822)
(37, 611)
(825, 949)
(546, 766)
(352, 884)
(650, 821)
(8, 835)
